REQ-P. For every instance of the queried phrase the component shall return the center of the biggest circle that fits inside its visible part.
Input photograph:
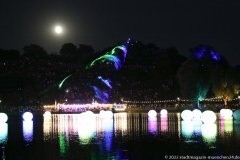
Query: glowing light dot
(208, 117)
(236, 114)
(102, 114)
(187, 115)
(47, 114)
(108, 114)
(88, 115)
(197, 114)
(3, 117)
(226, 113)
(27, 116)
(163, 113)
(152, 113)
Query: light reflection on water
(72, 128)
(86, 129)
(152, 125)
(164, 124)
(3, 133)
(226, 126)
(120, 124)
(237, 129)
(28, 131)
(209, 133)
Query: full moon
(58, 30)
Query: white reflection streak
(86, 128)
(75, 124)
(28, 131)
(106, 126)
(179, 124)
(63, 126)
(187, 129)
(47, 127)
(120, 123)
(3, 133)
(209, 132)
(164, 124)
(66, 124)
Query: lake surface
(125, 136)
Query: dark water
(126, 136)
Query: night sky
(102, 23)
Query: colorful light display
(115, 57)
(111, 56)
(101, 95)
(107, 82)
(206, 51)
(64, 80)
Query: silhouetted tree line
(149, 73)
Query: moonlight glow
(58, 29)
